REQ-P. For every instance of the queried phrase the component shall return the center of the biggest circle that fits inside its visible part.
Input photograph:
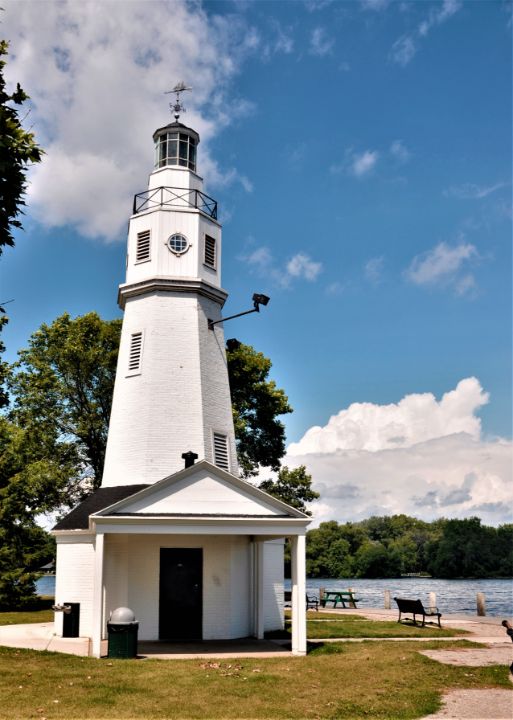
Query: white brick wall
(74, 579)
(132, 579)
(181, 394)
(273, 584)
(163, 263)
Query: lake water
(452, 596)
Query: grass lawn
(331, 625)
(367, 680)
(314, 615)
(346, 628)
(40, 611)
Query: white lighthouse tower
(171, 393)
(192, 549)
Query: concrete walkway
(40, 636)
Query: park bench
(340, 596)
(415, 607)
(311, 601)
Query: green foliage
(4, 367)
(466, 549)
(18, 149)
(257, 403)
(30, 483)
(293, 487)
(395, 545)
(64, 383)
(374, 560)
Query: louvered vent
(134, 359)
(221, 451)
(210, 251)
(143, 246)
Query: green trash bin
(122, 630)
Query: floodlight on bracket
(258, 299)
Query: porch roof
(78, 518)
(185, 502)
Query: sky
(360, 153)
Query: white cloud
(441, 264)
(363, 163)
(405, 48)
(95, 73)
(416, 418)
(320, 42)
(373, 269)
(302, 266)
(470, 191)
(334, 289)
(299, 267)
(261, 258)
(466, 285)
(399, 151)
(420, 456)
(439, 15)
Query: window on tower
(176, 148)
(210, 251)
(221, 451)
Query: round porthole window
(178, 244)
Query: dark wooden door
(181, 594)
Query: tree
(4, 367)
(18, 149)
(34, 471)
(257, 403)
(466, 549)
(373, 560)
(292, 486)
(64, 380)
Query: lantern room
(176, 146)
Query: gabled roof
(202, 490)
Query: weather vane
(177, 107)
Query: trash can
(122, 630)
(71, 620)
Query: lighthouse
(171, 393)
(174, 533)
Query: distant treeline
(399, 544)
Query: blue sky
(360, 153)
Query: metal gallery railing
(175, 197)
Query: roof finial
(177, 107)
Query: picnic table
(340, 596)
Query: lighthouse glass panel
(175, 149)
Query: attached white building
(195, 551)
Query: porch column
(259, 589)
(97, 596)
(298, 562)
